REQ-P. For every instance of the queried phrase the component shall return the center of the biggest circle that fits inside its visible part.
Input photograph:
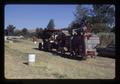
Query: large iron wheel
(40, 46)
(62, 51)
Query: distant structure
(13, 37)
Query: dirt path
(52, 66)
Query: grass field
(51, 66)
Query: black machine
(75, 44)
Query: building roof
(53, 30)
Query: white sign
(94, 40)
(31, 58)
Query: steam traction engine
(88, 42)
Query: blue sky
(33, 16)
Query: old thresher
(80, 43)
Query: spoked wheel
(84, 57)
(73, 53)
(40, 46)
(49, 47)
(62, 51)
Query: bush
(106, 39)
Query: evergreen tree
(51, 24)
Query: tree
(113, 29)
(105, 14)
(82, 15)
(82, 12)
(51, 24)
(6, 32)
(10, 29)
(102, 17)
(25, 32)
(74, 25)
(17, 32)
(39, 32)
(31, 34)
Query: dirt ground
(52, 66)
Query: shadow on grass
(68, 56)
(40, 50)
(106, 52)
(55, 53)
(26, 63)
(107, 56)
(36, 48)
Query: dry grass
(51, 66)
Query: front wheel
(40, 46)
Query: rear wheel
(62, 51)
(49, 46)
(84, 57)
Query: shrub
(106, 39)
